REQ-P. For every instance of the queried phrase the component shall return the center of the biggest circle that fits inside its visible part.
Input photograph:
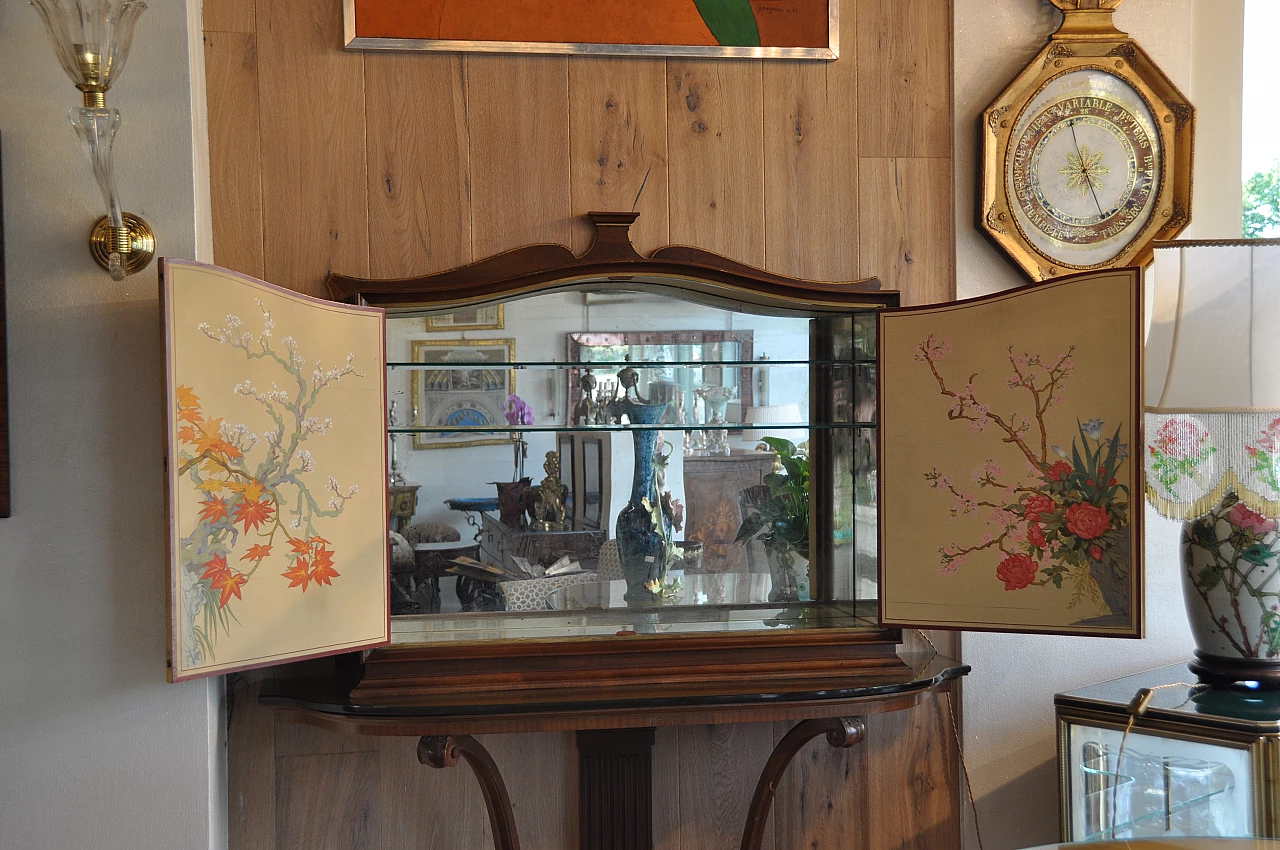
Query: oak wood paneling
(541, 772)
(618, 146)
(418, 168)
(905, 234)
(315, 209)
(910, 769)
(231, 68)
(430, 807)
(715, 157)
(519, 122)
(230, 16)
(703, 779)
(823, 797)
(328, 802)
(251, 764)
(295, 739)
(810, 147)
(904, 77)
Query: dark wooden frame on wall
(6, 507)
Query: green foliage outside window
(1262, 204)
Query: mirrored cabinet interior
(599, 377)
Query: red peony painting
(1007, 486)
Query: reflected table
(472, 509)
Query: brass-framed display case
(1197, 760)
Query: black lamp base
(1218, 670)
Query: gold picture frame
(802, 29)
(1011, 478)
(487, 317)
(468, 397)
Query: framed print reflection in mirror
(466, 385)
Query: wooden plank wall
(394, 165)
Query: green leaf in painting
(732, 22)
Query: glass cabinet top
(1254, 709)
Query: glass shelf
(1155, 794)
(765, 427)
(619, 364)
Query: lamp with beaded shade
(1212, 453)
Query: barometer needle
(1088, 178)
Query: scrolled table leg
(840, 732)
(442, 751)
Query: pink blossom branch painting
(277, 506)
(1006, 483)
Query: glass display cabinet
(675, 448)
(1198, 761)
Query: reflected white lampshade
(781, 414)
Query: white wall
(96, 750)
(1009, 733)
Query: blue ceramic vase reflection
(641, 548)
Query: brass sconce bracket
(135, 242)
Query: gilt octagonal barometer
(1087, 154)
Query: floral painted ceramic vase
(1231, 581)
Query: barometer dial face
(1083, 168)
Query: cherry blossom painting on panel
(276, 473)
(1009, 499)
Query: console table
(615, 739)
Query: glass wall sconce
(91, 39)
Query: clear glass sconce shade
(91, 37)
(97, 131)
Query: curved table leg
(840, 732)
(445, 750)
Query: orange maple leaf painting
(238, 503)
(253, 513)
(187, 397)
(322, 566)
(256, 552)
(298, 575)
(214, 509)
(216, 567)
(229, 584)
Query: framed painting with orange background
(800, 29)
(277, 511)
(1010, 498)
